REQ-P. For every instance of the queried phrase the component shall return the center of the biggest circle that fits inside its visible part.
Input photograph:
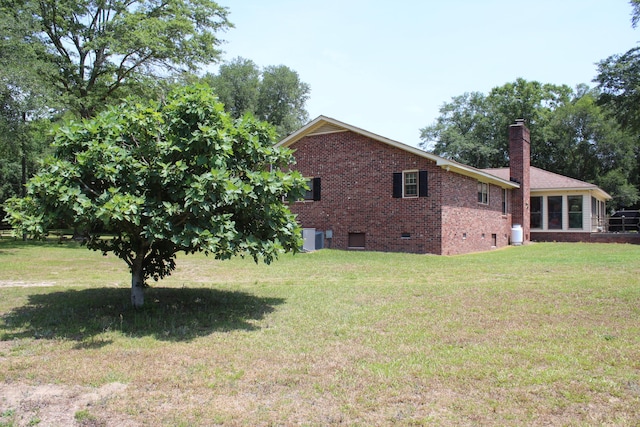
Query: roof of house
(324, 125)
(542, 180)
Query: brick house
(372, 193)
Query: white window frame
(561, 215)
(483, 188)
(404, 184)
(542, 212)
(580, 212)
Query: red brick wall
(357, 197)
(549, 236)
(357, 194)
(467, 225)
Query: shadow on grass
(169, 314)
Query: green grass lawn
(545, 334)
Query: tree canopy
(25, 105)
(570, 134)
(68, 57)
(237, 84)
(274, 94)
(619, 82)
(635, 14)
(97, 48)
(472, 128)
(158, 179)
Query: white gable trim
(323, 125)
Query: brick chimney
(520, 171)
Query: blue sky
(389, 66)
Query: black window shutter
(423, 184)
(316, 189)
(397, 185)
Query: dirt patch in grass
(59, 405)
(20, 284)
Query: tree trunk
(137, 284)
(23, 181)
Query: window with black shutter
(316, 188)
(410, 184)
(397, 185)
(313, 193)
(422, 184)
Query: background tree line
(62, 59)
(591, 134)
(573, 133)
(69, 58)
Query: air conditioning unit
(309, 239)
(319, 240)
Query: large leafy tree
(237, 84)
(25, 105)
(472, 128)
(619, 82)
(274, 94)
(68, 57)
(163, 178)
(587, 143)
(281, 99)
(570, 134)
(99, 48)
(461, 132)
(635, 15)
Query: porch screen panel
(536, 212)
(554, 212)
(575, 211)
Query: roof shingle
(544, 180)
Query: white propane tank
(516, 235)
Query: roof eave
(603, 194)
(446, 164)
(469, 171)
